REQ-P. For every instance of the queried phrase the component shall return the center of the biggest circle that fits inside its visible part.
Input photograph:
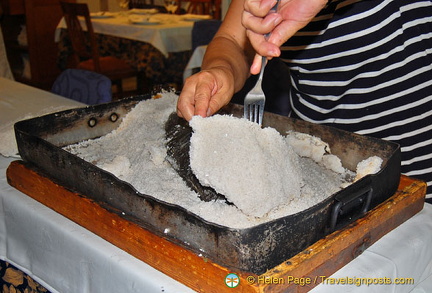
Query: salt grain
(369, 166)
(254, 168)
(135, 152)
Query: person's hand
(291, 16)
(225, 68)
(205, 93)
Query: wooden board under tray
(323, 258)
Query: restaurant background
(29, 27)
(72, 257)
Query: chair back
(84, 86)
(141, 4)
(204, 7)
(83, 43)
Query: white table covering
(65, 257)
(405, 252)
(61, 255)
(173, 34)
(195, 61)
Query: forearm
(222, 53)
(230, 48)
(225, 68)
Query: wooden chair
(204, 7)
(141, 4)
(146, 4)
(85, 49)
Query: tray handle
(351, 204)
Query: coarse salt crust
(246, 163)
(371, 165)
(135, 152)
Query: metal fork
(255, 99)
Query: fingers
(256, 64)
(186, 105)
(203, 94)
(296, 14)
(291, 16)
(259, 8)
(202, 97)
(259, 22)
(263, 45)
(194, 100)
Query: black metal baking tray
(256, 249)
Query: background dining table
(159, 44)
(65, 257)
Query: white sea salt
(253, 167)
(135, 152)
(371, 165)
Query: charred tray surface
(256, 249)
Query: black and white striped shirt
(366, 66)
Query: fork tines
(254, 112)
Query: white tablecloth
(195, 61)
(64, 257)
(403, 253)
(173, 34)
(61, 255)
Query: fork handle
(272, 10)
(264, 59)
(275, 7)
(263, 65)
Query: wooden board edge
(339, 247)
(331, 253)
(188, 268)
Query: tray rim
(221, 228)
(135, 100)
(351, 240)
